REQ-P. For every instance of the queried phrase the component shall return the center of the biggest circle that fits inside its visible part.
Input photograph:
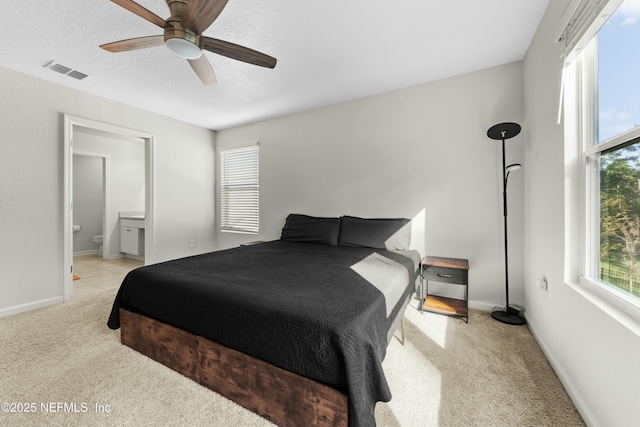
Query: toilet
(98, 240)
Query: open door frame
(106, 199)
(70, 123)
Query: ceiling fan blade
(134, 44)
(199, 14)
(203, 69)
(134, 7)
(238, 52)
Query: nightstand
(445, 270)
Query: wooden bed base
(285, 398)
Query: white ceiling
(328, 51)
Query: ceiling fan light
(183, 48)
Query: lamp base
(509, 317)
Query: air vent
(58, 68)
(77, 75)
(63, 69)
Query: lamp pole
(504, 208)
(504, 131)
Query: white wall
(126, 176)
(419, 152)
(595, 356)
(31, 184)
(88, 201)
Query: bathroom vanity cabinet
(132, 236)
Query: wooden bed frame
(285, 398)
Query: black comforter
(317, 310)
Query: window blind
(239, 190)
(579, 25)
(581, 22)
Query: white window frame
(247, 179)
(581, 132)
(581, 169)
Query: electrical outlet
(192, 243)
(542, 283)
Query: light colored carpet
(447, 374)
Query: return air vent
(62, 69)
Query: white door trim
(70, 122)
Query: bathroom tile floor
(97, 274)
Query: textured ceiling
(328, 51)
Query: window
(619, 249)
(239, 190)
(606, 107)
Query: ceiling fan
(183, 36)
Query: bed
(294, 329)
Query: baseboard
(111, 256)
(574, 395)
(482, 306)
(79, 253)
(30, 306)
(122, 255)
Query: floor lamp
(503, 131)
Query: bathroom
(108, 192)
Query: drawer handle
(445, 276)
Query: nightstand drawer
(446, 275)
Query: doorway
(72, 127)
(90, 175)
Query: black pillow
(310, 229)
(378, 233)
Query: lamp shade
(503, 130)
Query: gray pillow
(378, 233)
(310, 229)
